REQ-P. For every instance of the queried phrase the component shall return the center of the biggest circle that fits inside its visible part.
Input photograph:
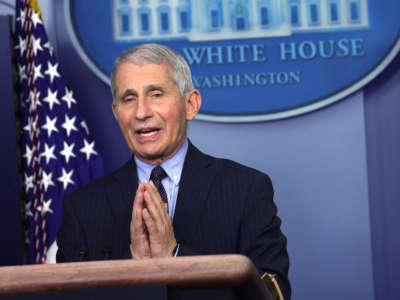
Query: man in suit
(170, 199)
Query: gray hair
(157, 54)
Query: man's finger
(154, 191)
(163, 212)
(153, 206)
(148, 220)
(153, 200)
(138, 201)
(138, 225)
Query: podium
(235, 271)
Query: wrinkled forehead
(130, 75)
(141, 63)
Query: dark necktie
(157, 174)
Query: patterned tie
(157, 174)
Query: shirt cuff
(176, 250)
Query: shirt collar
(172, 166)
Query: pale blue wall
(317, 163)
(382, 111)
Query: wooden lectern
(235, 271)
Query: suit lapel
(121, 193)
(197, 176)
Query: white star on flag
(28, 154)
(28, 212)
(46, 207)
(50, 125)
(67, 152)
(28, 182)
(46, 180)
(21, 45)
(22, 16)
(65, 178)
(36, 73)
(68, 125)
(36, 19)
(36, 45)
(88, 149)
(31, 126)
(52, 71)
(84, 125)
(22, 72)
(49, 47)
(34, 100)
(68, 97)
(48, 153)
(51, 98)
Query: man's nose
(143, 110)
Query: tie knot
(157, 174)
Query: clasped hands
(152, 234)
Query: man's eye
(156, 95)
(129, 99)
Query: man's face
(151, 112)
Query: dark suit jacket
(222, 207)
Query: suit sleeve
(261, 238)
(70, 239)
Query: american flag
(58, 153)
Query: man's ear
(193, 104)
(115, 111)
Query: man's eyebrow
(128, 92)
(154, 87)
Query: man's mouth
(148, 131)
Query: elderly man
(170, 199)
